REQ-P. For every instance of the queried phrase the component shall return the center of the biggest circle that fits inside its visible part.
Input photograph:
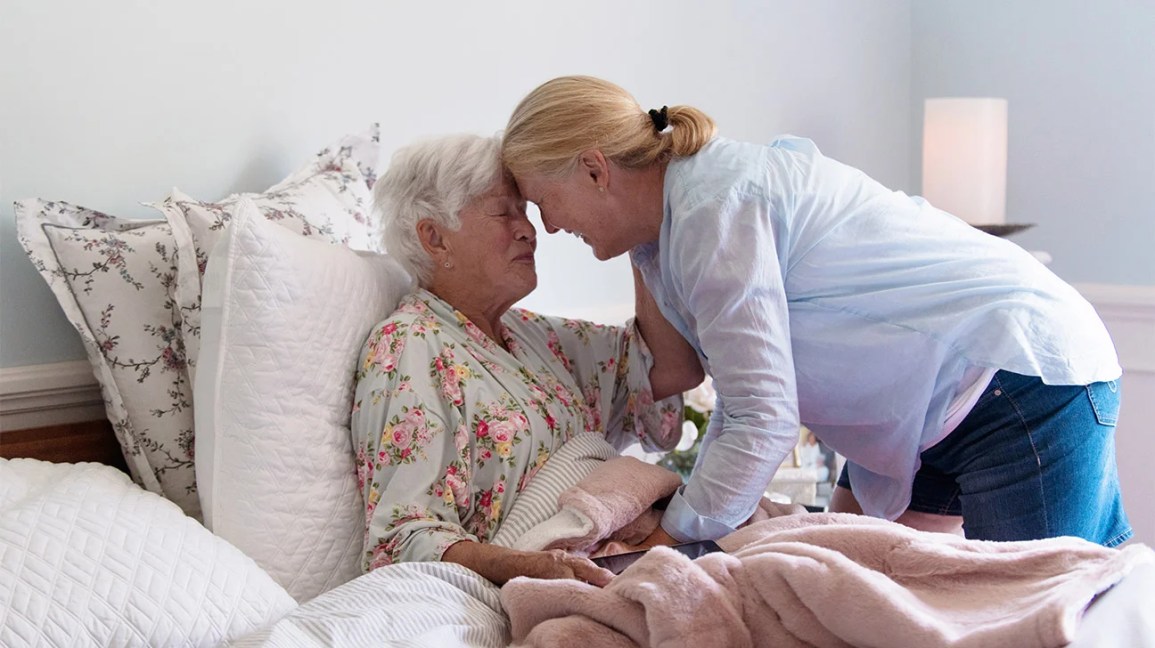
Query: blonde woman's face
(573, 204)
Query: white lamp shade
(964, 158)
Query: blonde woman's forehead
(533, 186)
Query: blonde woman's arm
(676, 368)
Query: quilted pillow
(284, 320)
(112, 277)
(87, 558)
(328, 199)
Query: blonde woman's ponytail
(690, 130)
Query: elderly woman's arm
(500, 564)
(676, 367)
(413, 477)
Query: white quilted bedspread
(87, 558)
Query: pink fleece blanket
(828, 580)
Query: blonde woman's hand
(658, 537)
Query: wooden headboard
(69, 443)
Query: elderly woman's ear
(429, 233)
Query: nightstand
(798, 483)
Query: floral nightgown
(449, 427)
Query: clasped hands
(501, 564)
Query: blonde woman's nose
(549, 228)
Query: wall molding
(1129, 313)
(58, 393)
(1119, 300)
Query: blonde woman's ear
(594, 163)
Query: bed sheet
(1123, 616)
(409, 604)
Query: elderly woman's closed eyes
(461, 399)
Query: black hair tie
(661, 118)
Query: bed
(195, 536)
(89, 558)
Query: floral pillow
(113, 276)
(328, 199)
(362, 149)
(119, 283)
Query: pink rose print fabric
(449, 426)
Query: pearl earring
(602, 189)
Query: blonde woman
(957, 374)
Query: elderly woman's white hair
(432, 179)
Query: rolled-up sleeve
(731, 282)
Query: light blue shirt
(813, 294)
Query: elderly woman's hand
(500, 564)
(556, 563)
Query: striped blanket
(570, 464)
(432, 604)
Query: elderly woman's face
(493, 250)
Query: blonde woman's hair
(565, 116)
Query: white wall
(108, 104)
(1079, 78)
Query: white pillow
(87, 558)
(284, 318)
(329, 198)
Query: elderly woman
(461, 399)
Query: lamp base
(1005, 229)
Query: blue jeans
(1030, 461)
